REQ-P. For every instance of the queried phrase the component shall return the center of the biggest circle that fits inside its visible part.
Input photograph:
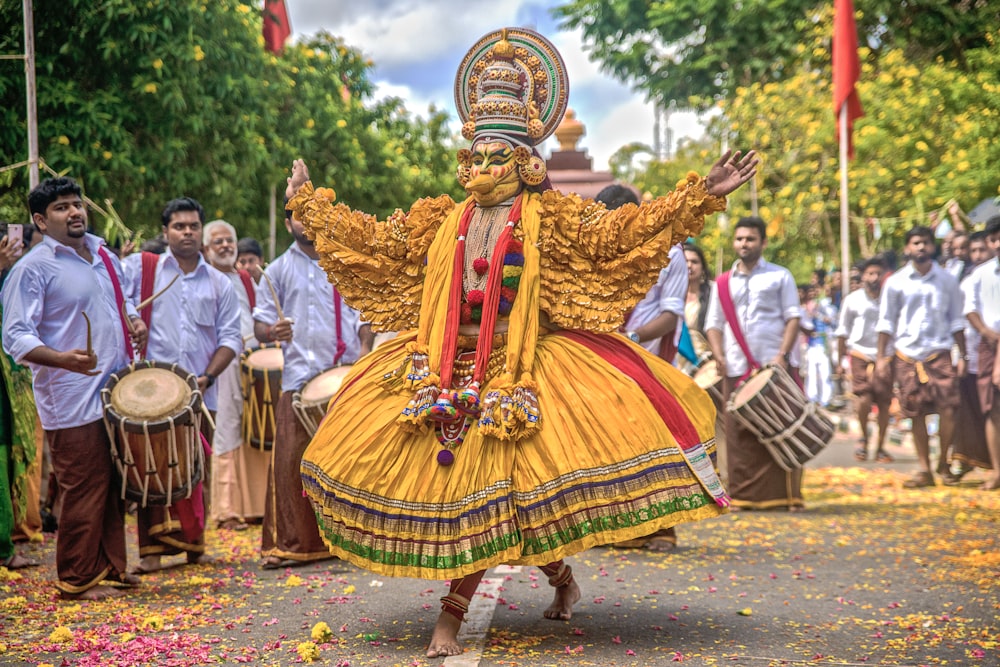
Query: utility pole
(29, 79)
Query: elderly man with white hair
(239, 476)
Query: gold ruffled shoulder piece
(377, 265)
(596, 264)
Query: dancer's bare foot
(95, 593)
(444, 641)
(561, 608)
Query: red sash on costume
(619, 354)
(119, 299)
(729, 311)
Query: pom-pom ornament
(480, 265)
(445, 457)
(475, 297)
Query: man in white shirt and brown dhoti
(317, 331)
(63, 318)
(982, 308)
(857, 342)
(195, 324)
(767, 310)
(921, 314)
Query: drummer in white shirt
(921, 313)
(857, 341)
(318, 331)
(195, 324)
(67, 274)
(766, 302)
(653, 324)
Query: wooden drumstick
(90, 340)
(153, 298)
(274, 295)
(207, 415)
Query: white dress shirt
(765, 299)
(921, 312)
(306, 297)
(972, 336)
(228, 434)
(43, 297)
(191, 320)
(982, 295)
(983, 292)
(858, 317)
(666, 296)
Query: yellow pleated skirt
(602, 467)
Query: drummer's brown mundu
(153, 415)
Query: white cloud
(417, 45)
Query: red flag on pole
(277, 27)
(846, 66)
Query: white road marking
(477, 622)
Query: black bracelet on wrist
(209, 380)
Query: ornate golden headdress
(512, 87)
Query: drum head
(269, 358)
(707, 375)
(752, 387)
(150, 394)
(322, 387)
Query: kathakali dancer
(509, 423)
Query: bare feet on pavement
(147, 564)
(444, 641)
(561, 608)
(95, 593)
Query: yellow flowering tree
(928, 137)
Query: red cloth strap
(494, 281)
(450, 343)
(729, 310)
(249, 286)
(341, 345)
(119, 299)
(149, 262)
(668, 351)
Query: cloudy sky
(417, 46)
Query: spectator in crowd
(250, 257)
(982, 309)
(921, 314)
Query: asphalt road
(871, 574)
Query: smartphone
(15, 234)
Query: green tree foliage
(697, 51)
(143, 102)
(930, 88)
